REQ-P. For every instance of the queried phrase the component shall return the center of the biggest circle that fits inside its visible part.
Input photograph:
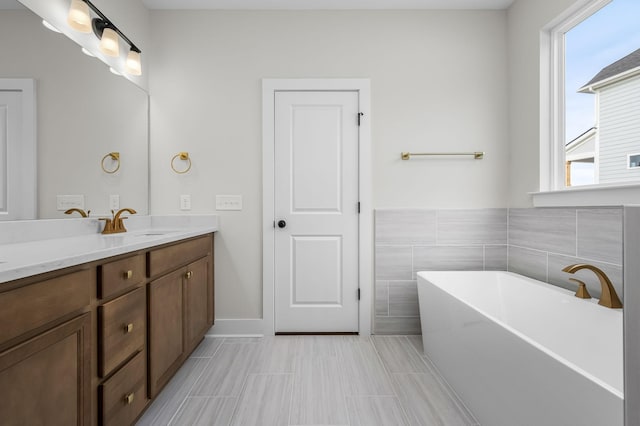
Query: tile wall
(543, 241)
(408, 241)
(532, 242)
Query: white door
(17, 149)
(316, 211)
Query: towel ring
(184, 156)
(115, 156)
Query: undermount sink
(142, 234)
(158, 233)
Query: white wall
(84, 112)
(439, 82)
(526, 18)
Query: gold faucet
(118, 223)
(609, 297)
(115, 224)
(82, 212)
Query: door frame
(365, 226)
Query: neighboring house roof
(581, 138)
(630, 64)
(583, 147)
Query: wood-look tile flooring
(308, 380)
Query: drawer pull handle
(128, 275)
(188, 275)
(128, 398)
(128, 328)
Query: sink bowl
(153, 233)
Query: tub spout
(609, 297)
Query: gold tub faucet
(609, 297)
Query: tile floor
(308, 380)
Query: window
(595, 97)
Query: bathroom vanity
(93, 342)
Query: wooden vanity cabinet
(180, 305)
(90, 345)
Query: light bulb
(79, 18)
(109, 42)
(133, 64)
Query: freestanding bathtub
(521, 352)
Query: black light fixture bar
(112, 26)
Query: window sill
(592, 195)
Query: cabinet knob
(128, 328)
(127, 275)
(188, 275)
(128, 398)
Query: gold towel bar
(478, 155)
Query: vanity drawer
(120, 275)
(122, 326)
(169, 258)
(29, 307)
(124, 396)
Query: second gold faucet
(115, 224)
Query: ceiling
(327, 4)
(311, 4)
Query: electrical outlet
(228, 202)
(114, 202)
(185, 202)
(66, 202)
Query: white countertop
(22, 254)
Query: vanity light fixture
(79, 17)
(106, 31)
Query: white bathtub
(521, 352)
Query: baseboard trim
(237, 327)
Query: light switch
(228, 202)
(185, 202)
(66, 202)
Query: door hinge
(360, 114)
(274, 223)
(358, 207)
(358, 294)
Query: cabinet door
(197, 289)
(46, 380)
(166, 326)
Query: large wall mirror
(84, 113)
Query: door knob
(282, 224)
